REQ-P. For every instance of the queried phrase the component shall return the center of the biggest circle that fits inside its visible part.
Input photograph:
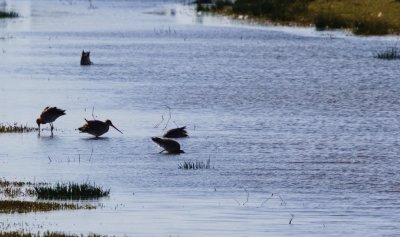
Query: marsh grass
(18, 206)
(16, 128)
(15, 189)
(194, 165)
(389, 54)
(72, 191)
(45, 234)
(10, 14)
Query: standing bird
(96, 127)
(85, 58)
(176, 133)
(169, 145)
(49, 115)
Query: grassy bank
(362, 17)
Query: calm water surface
(296, 123)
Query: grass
(17, 206)
(71, 191)
(45, 234)
(196, 165)
(10, 14)
(362, 17)
(389, 54)
(16, 189)
(15, 128)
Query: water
(296, 123)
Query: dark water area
(296, 123)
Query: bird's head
(109, 123)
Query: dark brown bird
(85, 58)
(49, 115)
(96, 127)
(176, 133)
(169, 145)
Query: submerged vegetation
(15, 128)
(17, 206)
(71, 191)
(194, 165)
(45, 234)
(10, 14)
(389, 54)
(366, 17)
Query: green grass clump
(330, 21)
(372, 27)
(389, 54)
(71, 191)
(17, 206)
(363, 26)
(196, 165)
(280, 10)
(10, 14)
(45, 234)
(15, 128)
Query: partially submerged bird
(169, 145)
(176, 133)
(85, 58)
(49, 115)
(96, 127)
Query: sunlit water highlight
(310, 117)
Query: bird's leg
(161, 152)
(51, 128)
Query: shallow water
(294, 122)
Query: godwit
(96, 127)
(169, 145)
(85, 58)
(176, 133)
(49, 115)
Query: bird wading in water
(97, 127)
(169, 145)
(49, 115)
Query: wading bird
(49, 115)
(176, 133)
(85, 58)
(96, 127)
(169, 145)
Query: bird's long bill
(116, 128)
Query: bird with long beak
(49, 115)
(96, 127)
(169, 145)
